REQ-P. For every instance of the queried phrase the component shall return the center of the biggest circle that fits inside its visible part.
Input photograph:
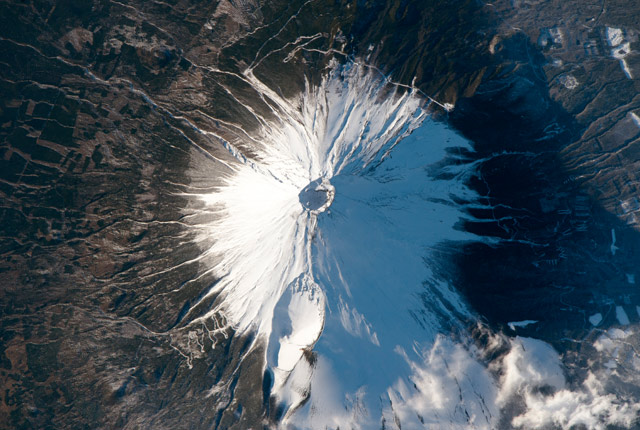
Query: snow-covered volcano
(323, 242)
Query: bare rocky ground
(101, 107)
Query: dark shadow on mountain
(553, 261)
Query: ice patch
(613, 246)
(595, 319)
(512, 325)
(621, 316)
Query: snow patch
(318, 195)
(620, 48)
(625, 68)
(614, 36)
(297, 324)
(568, 81)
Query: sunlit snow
(324, 243)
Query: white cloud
(450, 388)
(532, 364)
(590, 406)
